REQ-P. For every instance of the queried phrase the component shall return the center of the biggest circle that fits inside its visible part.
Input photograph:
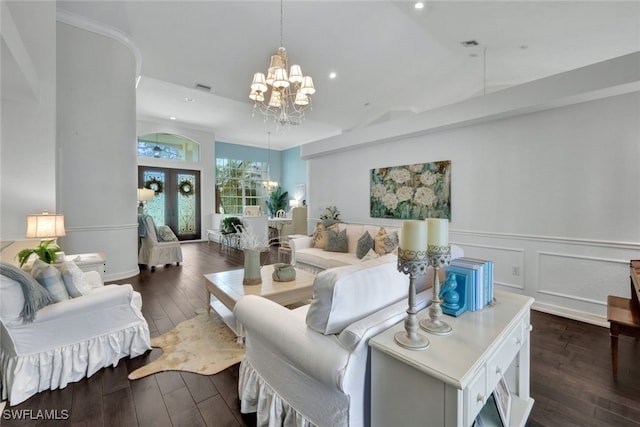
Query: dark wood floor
(570, 368)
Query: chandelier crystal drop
(280, 95)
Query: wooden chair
(623, 315)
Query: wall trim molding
(587, 258)
(572, 297)
(96, 27)
(509, 285)
(551, 239)
(580, 316)
(109, 227)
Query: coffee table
(227, 288)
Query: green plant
(229, 223)
(45, 251)
(277, 200)
(331, 212)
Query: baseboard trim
(580, 316)
(121, 275)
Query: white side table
(95, 261)
(449, 383)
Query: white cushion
(74, 280)
(345, 294)
(49, 277)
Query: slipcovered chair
(298, 222)
(45, 345)
(251, 210)
(159, 244)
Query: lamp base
(436, 327)
(418, 343)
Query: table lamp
(144, 195)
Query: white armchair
(156, 250)
(298, 223)
(311, 365)
(68, 340)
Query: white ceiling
(391, 59)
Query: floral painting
(415, 191)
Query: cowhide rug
(203, 345)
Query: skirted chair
(67, 329)
(298, 222)
(159, 245)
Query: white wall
(552, 197)
(96, 110)
(206, 165)
(27, 143)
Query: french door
(177, 199)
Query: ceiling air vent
(470, 43)
(205, 88)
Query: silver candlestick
(438, 257)
(413, 263)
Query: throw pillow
(74, 280)
(49, 277)
(384, 242)
(365, 244)
(370, 255)
(165, 234)
(34, 295)
(320, 235)
(337, 241)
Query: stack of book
(477, 275)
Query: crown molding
(96, 27)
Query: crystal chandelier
(289, 93)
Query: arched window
(168, 146)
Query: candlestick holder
(438, 257)
(413, 263)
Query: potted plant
(277, 200)
(229, 224)
(45, 251)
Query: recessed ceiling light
(172, 118)
(332, 75)
(189, 99)
(419, 5)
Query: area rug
(203, 345)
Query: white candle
(414, 236)
(438, 230)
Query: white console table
(449, 383)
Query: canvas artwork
(417, 191)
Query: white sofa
(310, 366)
(307, 257)
(68, 340)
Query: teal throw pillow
(337, 242)
(365, 244)
(49, 277)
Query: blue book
(485, 284)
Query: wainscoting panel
(567, 277)
(508, 268)
(118, 242)
(585, 281)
